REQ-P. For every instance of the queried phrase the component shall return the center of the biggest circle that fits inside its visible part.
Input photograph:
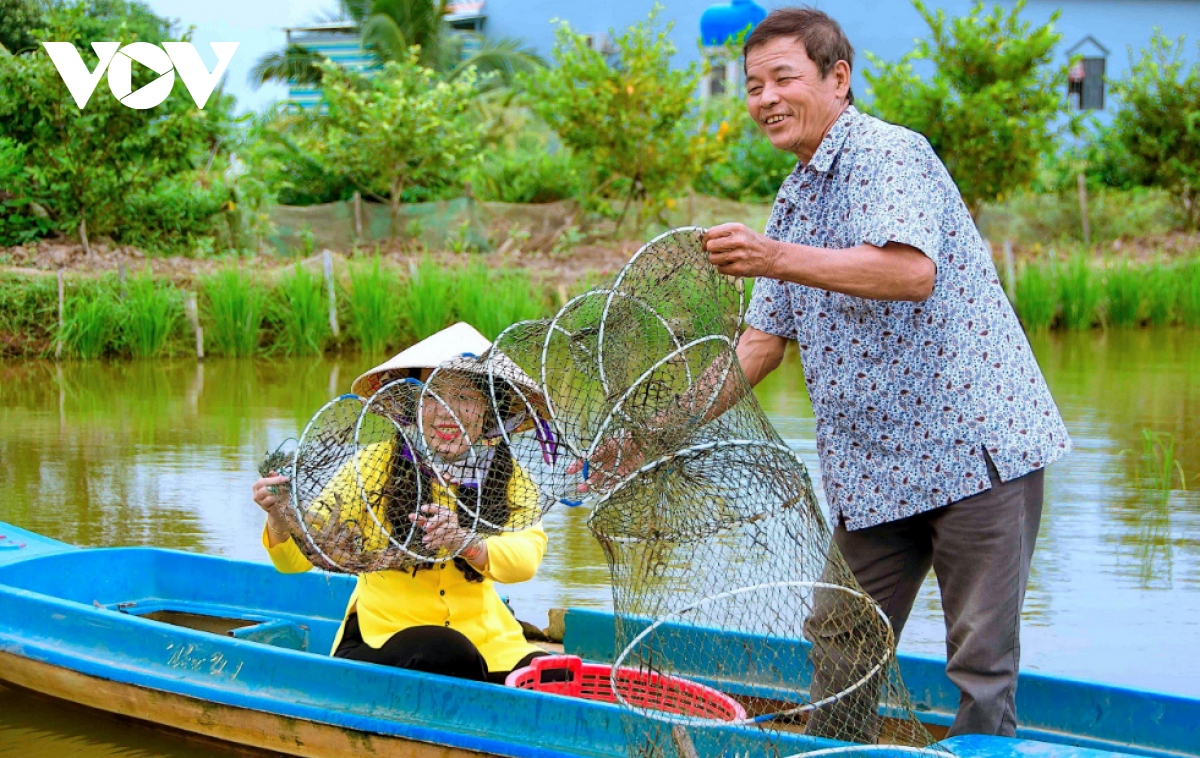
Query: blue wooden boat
(234, 651)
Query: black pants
(430, 649)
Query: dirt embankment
(585, 262)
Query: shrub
(1155, 134)
(988, 108)
(628, 115)
(527, 174)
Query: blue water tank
(720, 23)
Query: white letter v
(81, 82)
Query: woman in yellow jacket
(444, 617)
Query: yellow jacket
(390, 601)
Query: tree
(106, 166)
(989, 108)
(629, 117)
(401, 128)
(1154, 139)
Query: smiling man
(934, 423)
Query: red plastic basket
(569, 675)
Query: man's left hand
(737, 251)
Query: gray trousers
(980, 550)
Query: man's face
(787, 97)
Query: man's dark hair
(824, 41)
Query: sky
(256, 25)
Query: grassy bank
(379, 307)
(1082, 292)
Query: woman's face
(452, 425)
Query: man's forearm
(892, 272)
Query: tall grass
(150, 313)
(301, 313)
(1123, 295)
(492, 300)
(1161, 288)
(1079, 292)
(374, 303)
(1188, 306)
(233, 309)
(428, 302)
(1037, 298)
(91, 323)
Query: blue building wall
(886, 28)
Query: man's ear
(841, 74)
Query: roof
(1086, 40)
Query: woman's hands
(443, 531)
(271, 494)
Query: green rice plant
(233, 311)
(427, 302)
(1079, 292)
(1161, 290)
(91, 322)
(1123, 294)
(491, 300)
(303, 316)
(1189, 292)
(1037, 298)
(150, 313)
(374, 303)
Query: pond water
(163, 453)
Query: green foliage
(28, 313)
(302, 313)
(1079, 292)
(1155, 135)
(748, 169)
(1123, 295)
(492, 300)
(428, 303)
(20, 221)
(1189, 292)
(92, 321)
(988, 109)
(374, 304)
(627, 115)
(21, 17)
(1029, 218)
(1161, 290)
(400, 129)
(150, 312)
(233, 307)
(527, 174)
(1037, 296)
(94, 164)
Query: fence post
(327, 259)
(62, 310)
(192, 311)
(1083, 210)
(123, 278)
(357, 216)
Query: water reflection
(163, 453)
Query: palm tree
(389, 28)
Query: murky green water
(163, 453)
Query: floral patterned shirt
(906, 395)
